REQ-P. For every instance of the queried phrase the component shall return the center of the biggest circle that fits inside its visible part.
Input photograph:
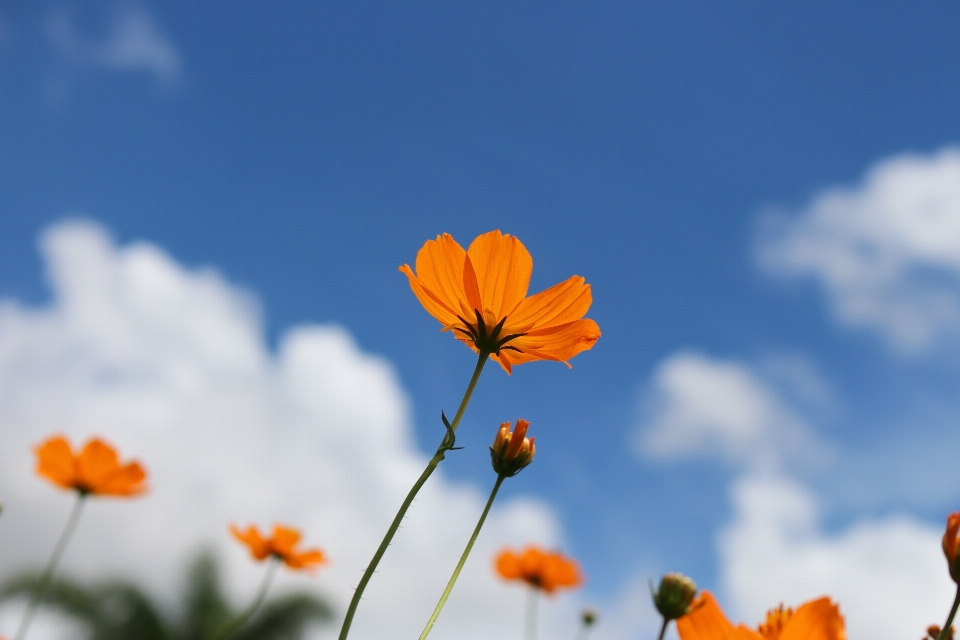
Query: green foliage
(119, 610)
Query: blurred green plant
(120, 610)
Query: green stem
(663, 628)
(257, 601)
(392, 530)
(463, 560)
(52, 563)
(532, 614)
(945, 631)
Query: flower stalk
(532, 600)
(945, 630)
(52, 563)
(463, 560)
(239, 621)
(445, 445)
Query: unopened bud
(589, 617)
(675, 595)
(933, 632)
(511, 452)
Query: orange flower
(540, 569)
(950, 545)
(816, 620)
(481, 295)
(281, 546)
(95, 470)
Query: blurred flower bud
(675, 595)
(511, 452)
(950, 545)
(589, 617)
(933, 632)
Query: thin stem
(532, 600)
(945, 631)
(392, 530)
(52, 563)
(257, 601)
(663, 628)
(585, 631)
(463, 560)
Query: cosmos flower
(282, 545)
(546, 571)
(96, 470)
(815, 620)
(481, 295)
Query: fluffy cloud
(886, 251)
(134, 42)
(171, 366)
(889, 575)
(698, 406)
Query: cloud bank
(889, 575)
(134, 42)
(170, 365)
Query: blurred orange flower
(950, 545)
(542, 570)
(815, 620)
(95, 470)
(481, 295)
(282, 545)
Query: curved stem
(257, 601)
(945, 631)
(663, 628)
(463, 560)
(532, 614)
(392, 530)
(52, 563)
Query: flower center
(487, 340)
(776, 620)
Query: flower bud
(950, 545)
(675, 595)
(511, 452)
(589, 617)
(933, 632)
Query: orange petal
(305, 560)
(559, 343)
(706, 621)
(284, 540)
(434, 305)
(96, 465)
(503, 267)
(562, 303)
(259, 547)
(126, 481)
(440, 271)
(508, 565)
(816, 620)
(55, 462)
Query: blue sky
(305, 151)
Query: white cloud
(697, 406)
(886, 251)
(170, 365)
(888, 575)
(134, 42)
